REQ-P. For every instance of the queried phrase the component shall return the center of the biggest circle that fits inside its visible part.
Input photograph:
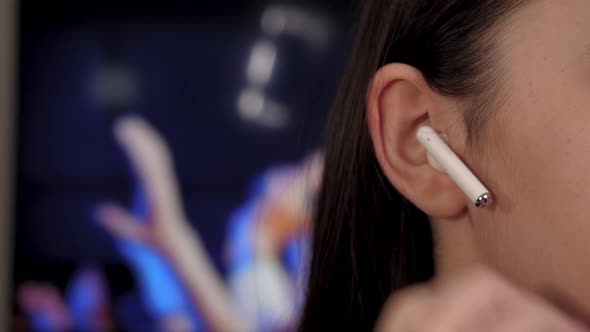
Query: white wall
(7, 117)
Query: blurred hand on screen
(285, 209)
(478, 300)
(163, 227)
(151, 161)
(44, 307)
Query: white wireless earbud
(444, 159)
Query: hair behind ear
(367, 239)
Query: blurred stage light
(315, 29)
(114, 86)
(277, 20)
(262, 62)
(251, 104)
(274, 21)
(254, 106)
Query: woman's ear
(399, 101)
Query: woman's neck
(454, 245)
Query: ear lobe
(399, 102)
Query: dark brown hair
(368, 241)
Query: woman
(506, 83)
